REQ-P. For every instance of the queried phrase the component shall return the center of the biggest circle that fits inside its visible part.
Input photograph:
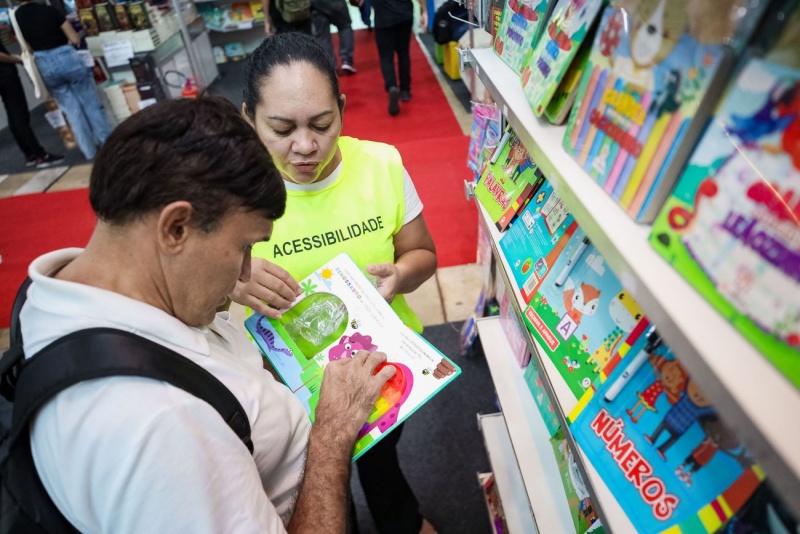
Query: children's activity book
(546, 63)
(584, 514)
(505, 184)
(653, 74)
(519, 29)
(536, 239)
(732, 225)
(340, 313)
(581, 314)
(659, 445)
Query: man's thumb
(380, 269)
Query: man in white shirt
(182, 191)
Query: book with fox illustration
(340, 313)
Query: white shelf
(514, 393)
(507, 474)
(747, 391)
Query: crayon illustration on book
(660, 446)
(340, 313)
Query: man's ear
(174, 225)
(342, 100)
(246, 116)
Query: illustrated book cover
(584, 514)
(732, 225)
(340, 313)
(659, 445)
(520, 28)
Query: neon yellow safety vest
(359, 213)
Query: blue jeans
(72, 85)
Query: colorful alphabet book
(504, 185)
(581, 314)
(340, 313)
(547, 62)
(732, 225)
(653, 75)
(584, 514)
(538, 237)
(660, 447)
(519, 29)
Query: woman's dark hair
(286, 49)
(198, 150)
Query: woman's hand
(269, 290)
(389, 279)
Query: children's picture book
(89, 22)
(660, 446)
(547, 62)
(732, 225)
(494, 505)
(538, 237)
(235, 51)
(654, 73)
(105, 20)
(121, 15)
(545, 406)
(257, 9)
(584, 514)
(340, 313)
(520, 28)
(241, 12)
(563, 98)
(581, 314)
(510, 322)
(482, 114)
(137, 13)
(505, 184)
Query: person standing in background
(327, 12)
(366, 13)
(19, 118)
(394, 20)
(53, 40)
(274, 23)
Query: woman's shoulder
(375, 149)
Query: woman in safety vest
(344, 195)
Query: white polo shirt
(134, 455)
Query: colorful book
(235, 51)
(481, 115)
(563, 99)
(547, 62)
(533, 243)
(122, 17)
(653, 75)
(581, 314)
(241, 12)
(520, 29)
(543, 403)
(105, 20)
(89, 22)
(257, 9)
(584, 514)
(732, 227)
(509, 322)
(503, 185)
(340, 313)
(137, 13)
(660, 447)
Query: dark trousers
(365, 10)
(335, 12)
(19, 118)
(392, 504)
(395, 40)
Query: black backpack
(445, 27)
(26, 385)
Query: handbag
(29, 61)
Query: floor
(449, 296)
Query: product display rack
(747, 391)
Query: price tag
(87, 58)
(56, 119)
(117, 53)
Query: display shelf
(747, 391)
(507, 474)
(520, 399)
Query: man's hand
(269, 28)
(388, 277)
(423, 22)
(17, 59)
(269, 290)
(348, 393)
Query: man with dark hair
(19, 118)
(182, 190)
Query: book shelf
(748, 392)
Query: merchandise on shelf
(543, 403)
(536, 239)
(123, 21)
(582, 508)
(495, 17)
(137, 13)
(520, 28)
(509, 322)
(257, 9)
(547, 62)
(234, 16)
(235, 51)
(105, 20)
(732, 225)
(659, 445)
(485, 259)
(505, 184)
(482, 114)
(653, 76)
(564, 96)
(497, 516)
(89, 22)
(219, 55)
(582, 315)
(340, 313)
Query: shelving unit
(747, 391)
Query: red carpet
(32, 225)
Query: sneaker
(405, 96)
(347, 68)
(42, 162)
(394, 98)
(30, 161)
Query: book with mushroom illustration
(340, 313)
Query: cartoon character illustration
(667, 99)
(626, 315)
(571, 364)
(692, 406)
(526, 8)
(581, 300)
(778, 112)
(599, 162)
(517, 159)
(393, 394)
(718, 438)
(443, 369)
(562, 30)
(349, 345)
(587, 510)
(671, 380)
